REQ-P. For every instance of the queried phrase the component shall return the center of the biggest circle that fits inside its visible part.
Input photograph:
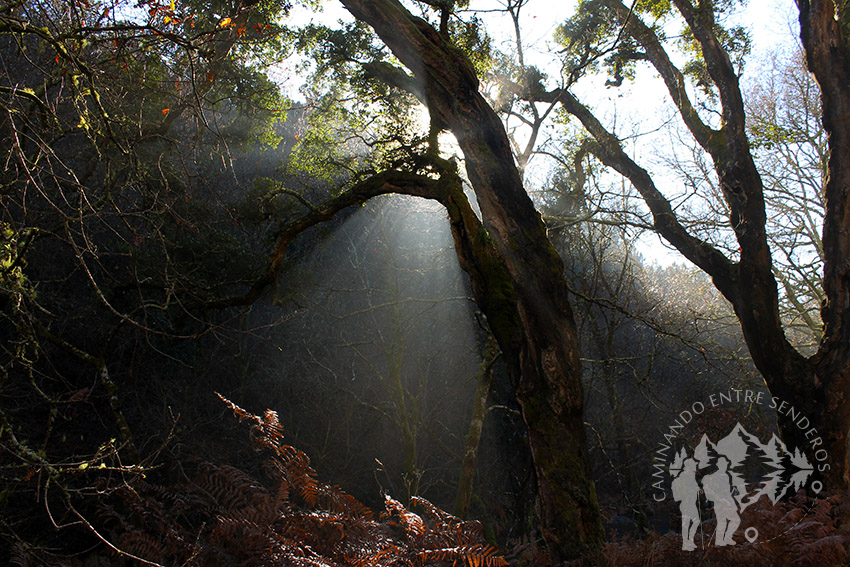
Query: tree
(516, 275)
(643, 328)
(100, 104)
(785, 125)
(106, 113)
(744, 273)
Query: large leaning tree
(108, 189)
(515, 273)
(707, 96)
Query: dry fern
(479, 555)
(224, 516)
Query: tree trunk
(539, 339)
(817, 387)
(825, 32)
(476, 425)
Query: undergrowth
(804, 532)
(224, 516)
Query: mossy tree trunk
(537, 333)
(483, 380)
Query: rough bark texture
(825, 31)
(541, 346)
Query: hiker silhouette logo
(717, 471)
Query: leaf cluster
(736, 41)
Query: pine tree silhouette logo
(717, 470)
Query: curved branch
(610, 151)
(718, 64)
(673, 78)
(400, 182)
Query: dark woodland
(403, 283)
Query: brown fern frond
(225, 517)
(281, 496)
(479, 555)
(289, 464)
(236, 533)
(271, 427)
(233, 489)
(321, 531)
(241, 414)
(435, 514)
(293, 466)
(334, 499)
(385, 556)
(830, 550)
(448, 529)
(411, 523)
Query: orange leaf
(210, 76)
(225, 22)
(165, 110)
(240, 32)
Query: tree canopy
(162, 188)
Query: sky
(772, 27)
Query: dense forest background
(249, 200)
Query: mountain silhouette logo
(718, 471)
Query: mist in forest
(407, 315)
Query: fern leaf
(334, 499)
(448, 529)
(831, 550)
(240, 414)
(294, 466)
(479, 555)
(410, 522)
(271, 427)
(386, 556)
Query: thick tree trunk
(825, 32)
(817, 387)
(538, 339)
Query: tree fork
(819, 385)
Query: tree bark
(465, 484)
(825, 33)
(541, 346)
